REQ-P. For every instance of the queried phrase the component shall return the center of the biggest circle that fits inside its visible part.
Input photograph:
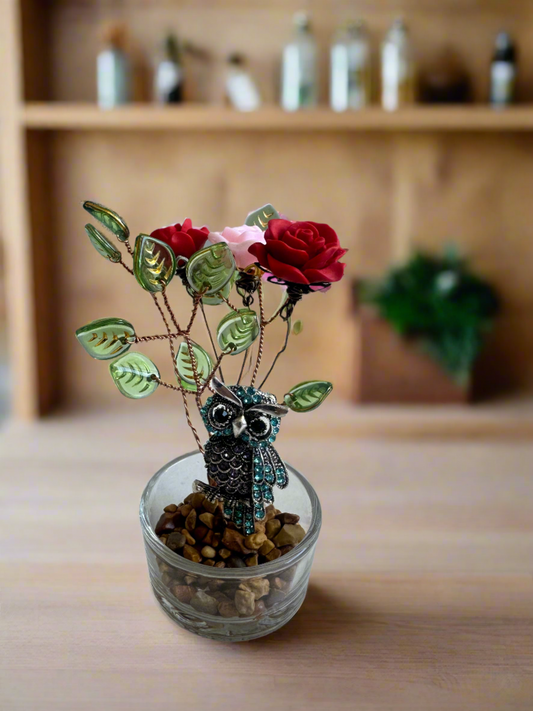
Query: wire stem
(283, 349)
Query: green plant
(439, 302)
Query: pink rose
(239, 240)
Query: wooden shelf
(196, 117)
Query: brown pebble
(208, 538)
(209, 506)
(260, 527)
(274, 554)
(200, 532)
(188, 537)
(190, 521)
(191, 579)
(245, 602)
(258, 586)
(166, 524)
(255, 541)
(235, 562)
(163, 538)
(275, 596)
(287, 518)
(195, 500)
(184, 593)
(219, 596)
(289, 574)
(208, 519)
(280, 584)
(204, 603)
(176, 540)
(270, 513)
(260, 608)
(215, 541)
(171, 508)
(185, 510)
(285, 549)
(227, 609)
(266, 547)
(220, 564)
(290, 535)
(252, 559)
(234, 541)
(191, 554)
(224, 553)
(219, 524)
(209, 562)
(273, 528)
(208, 552)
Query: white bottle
(503, 71)
(168, 76)
(299, 67)
(113, 70)
(397, 68)
(350, 68)
(240, 87)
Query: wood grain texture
(423, 602)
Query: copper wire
(262, 326)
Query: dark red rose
(300, 252)
(184, 239)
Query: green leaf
(238, 330)
(108, 218)
(154, 263)
(297, 328)
(215, 299)
(134, 375)
(307, 396)
(204, 365)
(210, 269)
(106, 338)
(260, 218)
(102, 245)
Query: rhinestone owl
(242, 465)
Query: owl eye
(259, 426)
(220, 415)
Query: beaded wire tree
(242, 420)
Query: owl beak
(239, 425)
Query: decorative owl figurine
(242, 465)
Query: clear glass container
(279, 586)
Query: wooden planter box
(391, 369)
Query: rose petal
(286, 271)
(294, 242)
(282, 252)
(260, 253)
(183, 245)
(328, 233)
(277, 228)
(323, 259)
(332, 273)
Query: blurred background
(405, 125)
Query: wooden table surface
(421, 595)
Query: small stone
(219, 524)
(279, 584)
(208, 552)
(195, 500)
(215, 541)
(200, 532)
(270, 513)
(209, 562)
(266, 547)
(260, 527)
(287, 518)
(163, 538)
(224, 553)
(220, 564)
(227, 609)
(273, 527)
(255, 541)
(274, 554)
(252, 560)
(184, 593)
(234, 541)
(260, 608)
(219, 596)
(235, 562)
(188, 537)
(176, 540)
(285, 549)
(289, 574)
(171, 508)
(204, 603)
(208, 538)
(191, 554)
(190, 521)
(208, 519)
(258, 586)
(290, 535)
(167, 523)
(210, 506)
(214, 584)
(275, 597)
(185, 510)
(245, 603)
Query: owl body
(242, 465)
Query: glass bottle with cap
(350, 80)
(503, 71)
(299, 67)
(169, 75)
(397, 68)
(113, 68)
(241, 89)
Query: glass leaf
(210, 269)
(102, 245)
(204, 364)
(238, 330)
(133, 374)
(215, 299)
(106, 338)
(154, 263)
(307, 396)
(108, 218)
(260, 218)
(297, 328)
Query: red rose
(184, 239)
(300, 252)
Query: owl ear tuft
(221, 389)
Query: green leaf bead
(215, 299)
(108, 218)
(106, 338)
(204, 364)
(102, 245)
(238, 330)
(260, 218)
(154, 263)
(210, 269)
(307, 396)
(135, 375)
(297, 328)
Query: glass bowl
(279, 586)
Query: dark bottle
(503, 71)
(168, 81)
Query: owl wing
(269, 469)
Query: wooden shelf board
(198, 117)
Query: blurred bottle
(350, 68)
(113, 68)
(397, 68)
(169, 74)
(299, 67)
(241, 89)
(503, 71)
